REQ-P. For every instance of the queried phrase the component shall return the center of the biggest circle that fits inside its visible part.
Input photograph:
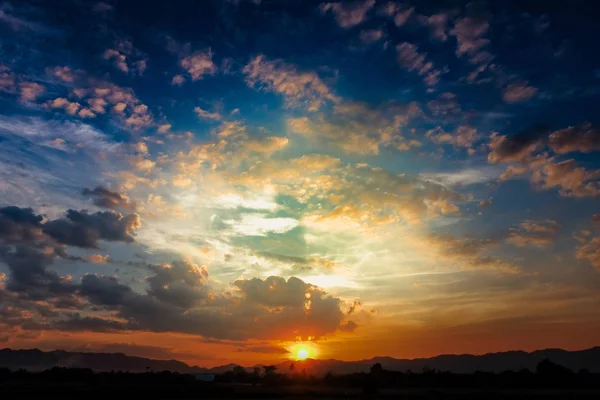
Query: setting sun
(302, 354)
(303, 351)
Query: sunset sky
(231, 181)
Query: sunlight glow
(302, 351)
(302, 354)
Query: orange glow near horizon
(303, 351)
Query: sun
(302, 354)
(303, 351)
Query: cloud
(369, 36)
(300, 263)
(463, 177)
(446, 104)
(28, 253)
(358, 128)
(589, 250)
(119, 60)
(100, 95)
(203, 114)
(30, 91)
(299, 88)
(273, 308)
(178, 80)
(583, 138)
(98, 259)
(267, 144)
(70, 107)
(568, 176)
(164, 128)
(438, 24)
(533, 233)
(515, 148)
(77, 323)
(360, 195)
(105, 290)
(463, 136)
(275, 291)
(19, 225)
(198, 65)
(82, 229)
(518, 92)
(412, 60)
(468, 253)
(260, 225)
(402, 16)
(126, 57)
(30, 277)
(17, 23)
(485, 203)
(64, 73)
(468, 32)
(7, 80)
(348, 14)
(181, 283)
(106, 198)
(74, 135)
(571, 179)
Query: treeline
(84, 382)
(547, 375)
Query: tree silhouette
(269, 369)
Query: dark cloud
(29, 246)
(30, 276)
(273, 308)
(517, 147)
(105, 291)
(106, 198)
(181, 283)
(81, 229)
(19, 224)
(78, 323)
(274, 291)
(584, 138)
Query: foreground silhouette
(549, 380)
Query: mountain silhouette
(36, 360)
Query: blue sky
(234, 178)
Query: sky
(230, 181)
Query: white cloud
(261, 225)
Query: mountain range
(36, 360)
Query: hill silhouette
(37, 360)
